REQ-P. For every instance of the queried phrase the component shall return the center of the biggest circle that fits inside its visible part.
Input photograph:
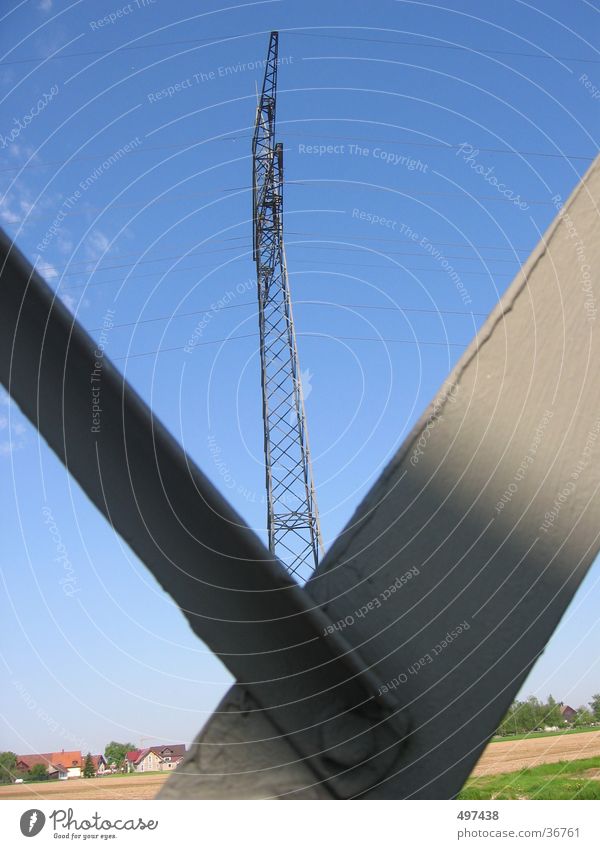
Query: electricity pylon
(292, 516)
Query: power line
(380, 266)
(399, 308)
(444, 145)
(205, 310)
(397, 267)
(464, 48)
(350, 249)
(118, 49)
(226, 136)
(50, 266)
(351, 238)
(323, 236)
(213, 39)
(156, 201)
(291, 245)
(53, 268)
(177, 315)
(410, 193)
(320, 262)
(41, 269)
(324, 247)
(318, 335)
(308, 183)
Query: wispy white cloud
(7, 213)
(9, 446)
(64, 242)
(97, 244)
(69, 301)
(12, 425)
(47, 270)
(17, 205)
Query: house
(131, 759)
(27, 762)
(59, 765)
(155, 758)
(100, 765)
(57, 771)
(71, 761)
(568, 713)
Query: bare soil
(111, 787)
(497, 758)
(591, 773)
(520, 754)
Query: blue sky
(129, 185)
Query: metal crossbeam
(235, 595)
(292, 515)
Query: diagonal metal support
(235, 595)
(493, 503)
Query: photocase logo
(32, 822)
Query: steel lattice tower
(292, 516)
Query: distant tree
(552, 715)
(595, 706)
(584, 717)
(88, 768)
(8, 767)
(115, 753)
(528, 715)
(509, 724)
(38, 772)
(531, 715)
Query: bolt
(347, 740)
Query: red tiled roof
(175, 751)
(32, 760)
(69, 759)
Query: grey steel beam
(475, 538)
(235, 595)
(240, 754)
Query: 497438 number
(478, 815)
